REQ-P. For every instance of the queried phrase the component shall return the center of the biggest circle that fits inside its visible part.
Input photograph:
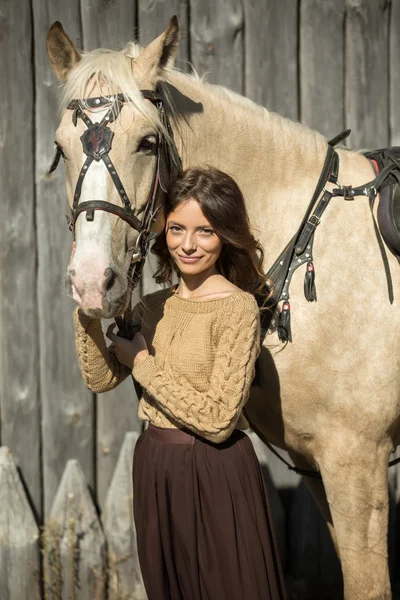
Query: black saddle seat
(389, 204)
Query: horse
(331, 397)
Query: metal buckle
(317, 220)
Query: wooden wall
(331, 64)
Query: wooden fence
(332, 64)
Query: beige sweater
(201, 363)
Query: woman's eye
(174, 228)
(148, 144)
(207, 231)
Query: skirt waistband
(170, 435)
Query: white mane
(111, 70)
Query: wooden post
(74, 544)
(19, 537)
(216, 41)
(153, 19)
(124, 570)
(366, 84)
(67, 406)
(394, 73)
(271, 55)
(108, 24)
(321, 61)
(19, 395)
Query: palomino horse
(331, 398)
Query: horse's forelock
(111, 71)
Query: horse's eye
(148, 144)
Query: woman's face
(192, 242)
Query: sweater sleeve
(212, 414)
(100, 368)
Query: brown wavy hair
(222, 203)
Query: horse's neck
(276, 162)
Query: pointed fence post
(19, 536)
(74, 544)
(125, 579)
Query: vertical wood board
(154, 17)
(366, 82)
(216, 41)
(112, 25)
(271, 58)
(394, 73)
(19, 399)
(67, 406)
(321, 65)
(108, 24)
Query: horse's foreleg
(355, 481)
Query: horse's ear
(61, 51)
(160, 54)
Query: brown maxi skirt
(203, 523)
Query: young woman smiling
(203, 525)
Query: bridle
(96, 143)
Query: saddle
(389, 205)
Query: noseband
(96, 143)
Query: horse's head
(115, 141)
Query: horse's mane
(112, 70)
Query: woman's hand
(128, 352)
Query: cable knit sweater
(201, 363)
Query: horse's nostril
(109, 278)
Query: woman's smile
(189, 259)
(192, 242)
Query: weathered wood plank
(154, 17)
(108, 24)
(366, 83)
(74, 535)
(124, 569)
(271, 58)
(19, 536)
(216, 41)
(394, 73)
(67, 406)
(19, 397)
(321, 65)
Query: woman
(200, 506)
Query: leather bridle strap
(97, 141)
